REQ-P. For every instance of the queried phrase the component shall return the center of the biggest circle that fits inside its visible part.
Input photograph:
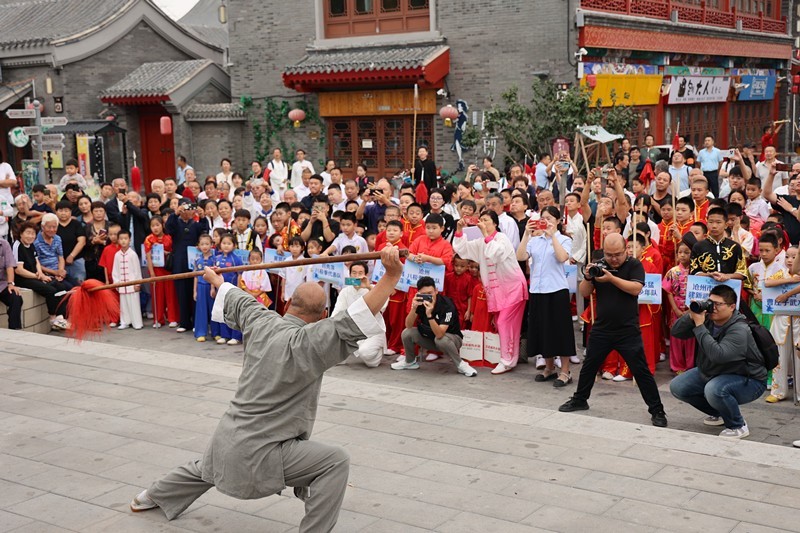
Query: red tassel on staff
(421, 193)
(89, 312)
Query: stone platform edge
(547, 419)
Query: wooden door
(158, 151)
(383, 144)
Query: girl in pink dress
(681, 351)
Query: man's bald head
(614, 243)
(308, 302)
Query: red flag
(421, 193)
(647, 175)
(675, 142)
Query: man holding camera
(617, 281)
(730, 369)
(432, 324)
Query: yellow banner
(640, 89)
(84, 167)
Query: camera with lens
(701, 306)
(595, 270)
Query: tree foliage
(529, 128)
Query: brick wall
(532, 37)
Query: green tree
(528, 128)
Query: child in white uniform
(127, 267)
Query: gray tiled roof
(364, 59)
(228, 111)
(155, 79)
(27, 23)
(215, 35)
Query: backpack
(766, 344)
(764, 340)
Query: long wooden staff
(414, 131)
(244, 268)
(589, 260)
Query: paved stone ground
(85, 427)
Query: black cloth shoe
(659, 419)
(574, 404)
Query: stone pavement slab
(84, 427)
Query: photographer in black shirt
(616, 327)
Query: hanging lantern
(449, 114)
(297, 116)
(166, 125)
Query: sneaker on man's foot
(403, 365)
(619, 377)
(574, 359)
(607, 375)
(574, 404)
(233, 342)
(431, 357)
(464, 368)
(400, 359)
(735, 433)
(123, 326)
(713, 421)
(180, 330)
(659, 419)
(173, 324)
(142, 502)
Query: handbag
(168, 261)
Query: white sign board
(52, 137)
(31, 130)
(698, 89)
(21, 113)
(54, 121)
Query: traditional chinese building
(716, 66)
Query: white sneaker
(662, 357)
(574, 318)
(464, 368)
(180, 330)
(233, 342)
(574, 359)
(222, 340)
(499, 369)
(142, 502)
(112, 325)
(737, 433)
(607, 375)
(431, 357)
(401, 358)
(149, 315)
(123, 326)
(389, 351)
(796, 444)
(406, 366)
(557, 361)
(173, 324)
(619, 378)
(713, 421)
(156, 325)
(540, 364)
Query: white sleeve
(218, 311)
(15, 251)
(365, 320)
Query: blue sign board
(759, 88)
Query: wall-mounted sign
(759, 88)
(18, 137)
(693, 71)
(698, 89)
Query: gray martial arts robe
(278, 391)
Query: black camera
(595, 270)
(701, 306)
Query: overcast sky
(175, 8)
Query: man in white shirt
(298, 166)
(279, 171)
(762, 169)
(180, 172)
(710, 159)
(302, 189)
(541, 171)
(508, 225)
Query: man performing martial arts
(261, 444)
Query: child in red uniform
(106, 262)
(395, 314)
(458, 286)
(392, 213)
(666, 245)
(414, 224)
(700, 198)
(430, 248)
(478, 313)
(649, 315)
(165, 299)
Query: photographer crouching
(730, 369)
(617, 280)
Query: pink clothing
(681, 351)
(509, 327)
(503, 280)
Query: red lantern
(297, 116)
(449, 114)
(166, 125)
